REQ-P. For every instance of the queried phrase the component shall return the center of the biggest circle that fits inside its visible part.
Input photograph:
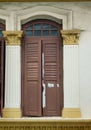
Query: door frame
(22, 56)
(2, 68)
(2, 73)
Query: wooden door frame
(22, 73)
(22, 56)
(2, 68)
(2, 73)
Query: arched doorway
(42, 69)
(2, 67)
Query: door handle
(57, 85)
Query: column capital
(70, 37)
(13, 37)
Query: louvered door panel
(51, 77)
(50, 61)
(32, 89)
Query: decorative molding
(13, 37)
(43, 12)
(71, 113)
(45, 1)
(70, 37)
(45, 124)
(11, 113)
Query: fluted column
(12, 74)
(71, 73)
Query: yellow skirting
(61, 124)
(71, 113)
(11, 113)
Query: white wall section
(85, 73)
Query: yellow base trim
(39, 124)
(71, 113)
(12, 113)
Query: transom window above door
(41, 29)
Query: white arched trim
(60, 14)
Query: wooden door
(52, 77)
(42, 66)
(32, 78)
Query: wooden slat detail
(50, 56)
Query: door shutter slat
(32, 90)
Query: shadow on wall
(85, 73)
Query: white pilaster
(12, 77)
(71, 80)
(71, 73)
(12, 74)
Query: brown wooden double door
(42, 93)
